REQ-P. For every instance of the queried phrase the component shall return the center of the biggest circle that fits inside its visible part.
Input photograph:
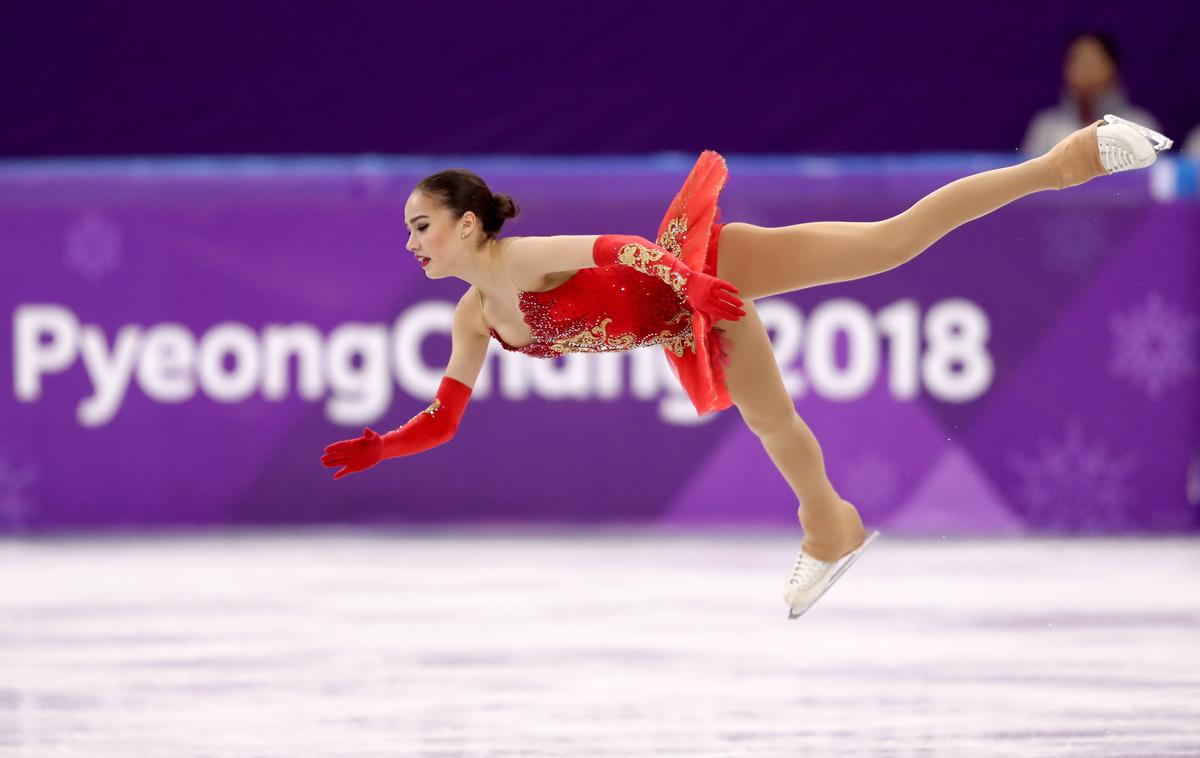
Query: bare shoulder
(532, 259)
(468, 316)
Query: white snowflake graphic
(93, 246)
(1073, 485)
(15, 502)
(1153, 345)
(870, 480)
(1193, 479)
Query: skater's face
(1088, 68)
(434, 233)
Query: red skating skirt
(690, 232)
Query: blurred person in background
(1091, 87)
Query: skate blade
(847, 561)
(1159, 141)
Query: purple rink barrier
(185, 337)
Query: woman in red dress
(691, 292)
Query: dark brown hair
(1106, 42)
(459, 191)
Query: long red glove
(703, 292)
(429, 428)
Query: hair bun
(506, 207)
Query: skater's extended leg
(832, 526)
(762, 261)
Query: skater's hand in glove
(708, 294)
(354, 455)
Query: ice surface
(619, 643)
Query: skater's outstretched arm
(704, 292)
(436, 424)
(531, 259)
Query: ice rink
(601, 643)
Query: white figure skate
(810, 578)
(1125, 145)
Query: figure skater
(546, 296)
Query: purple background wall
(1083, 418)
(596, 78)
(1073, 408)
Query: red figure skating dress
(618, 307)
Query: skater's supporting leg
(762, 261)
(832, 526)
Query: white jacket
(1050, 125)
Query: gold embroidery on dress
(596, 339)
(644, 259)
(679, 342)
(669, 239)
(591, 340)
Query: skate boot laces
(1115, 157)
(1122, 148)
(807, 571)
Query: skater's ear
(468, 224)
